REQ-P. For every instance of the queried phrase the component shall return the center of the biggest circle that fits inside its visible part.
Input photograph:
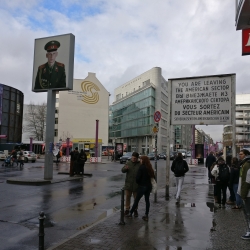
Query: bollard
(41, 230)
(122, 208)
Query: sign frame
(202, 100)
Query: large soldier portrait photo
(51, 74)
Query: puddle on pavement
(94, 241)
(100, 217)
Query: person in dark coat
(231, 199)
(143, 179)
(209, 162)
(234, 182)
(82, 158)
(179, 167)
(72, 162)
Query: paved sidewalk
(192, 224)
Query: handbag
(154, 185)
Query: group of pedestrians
(234, 175)
(137, 183)
(77, 162)
(18, 159)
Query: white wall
(77, 117)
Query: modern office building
(132, 115)
(183, 137)
(242, 125)
(83, 112)
(11, 114)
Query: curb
(82, 231)
(39, 182)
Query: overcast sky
(119, 40)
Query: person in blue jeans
(234, 182)
(143, 179)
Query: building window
(56, 133)
(56, 120)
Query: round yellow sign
(155, 129)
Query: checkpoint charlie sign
(204, 100)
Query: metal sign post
(157, 118)
(155, 198)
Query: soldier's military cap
(52, 46)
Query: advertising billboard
(204, 100)
(246, 42)
(119, 149)
(1, 102)
(53, 63)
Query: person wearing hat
(51, 74)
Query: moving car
(162, 155)
(126, 157)
(151, 156)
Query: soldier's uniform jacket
(130, 181)
(47, 78)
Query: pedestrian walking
(234, 182)
(143, 179)
(131, 168)
(209, 162)
(82, 158)
(213, 181)
(222, 174)
(58, 156)
(21, 159)
(244, 187)
(179, 167)
(231, 199)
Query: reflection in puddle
(94, 241)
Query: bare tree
(36, 121)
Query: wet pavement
(194, 223)
(85, 213)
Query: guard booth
(88, 145)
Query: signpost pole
(155, 197)
(157, 118)
(50, 127)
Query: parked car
(162, 155)
(2, 155)
(28, 156)
(173, 154)
(188, 154)
(151, 156)
(126, 157)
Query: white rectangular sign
(202, 100)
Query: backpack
(224, 173)
(179, 168)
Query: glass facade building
(133, 116)
(11, 115)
